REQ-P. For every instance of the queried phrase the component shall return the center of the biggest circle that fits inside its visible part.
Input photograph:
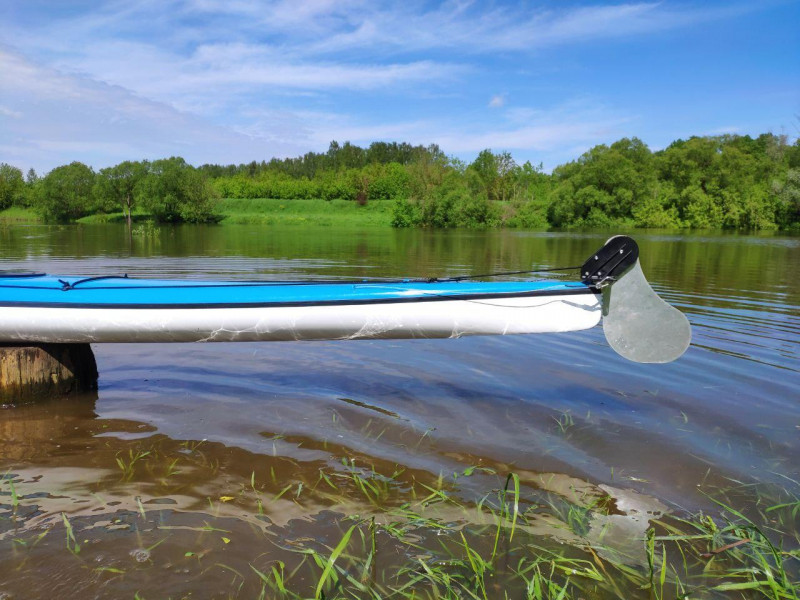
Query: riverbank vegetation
(721, 182)
(400, 534)
(302, 211)
(168, 190)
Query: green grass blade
(334, 555)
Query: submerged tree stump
(35, 371)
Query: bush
(388, 182)
(174, 191)
(659, 210)
(526, 215)
(405, 214)
(65, 193)
(453, 204)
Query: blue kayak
(35, 307)
(49, 308)
(36, 289)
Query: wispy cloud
(63, 117)
(318, 44)
(201, 55)
(229, 80)
(7, 112)
(554, 132)
(473, 28)
(225, 69)
(497, 101)
(722, 130)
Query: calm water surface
(194, 456)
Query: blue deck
(118, 291)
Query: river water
(191, 456)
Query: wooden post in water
(37, 371)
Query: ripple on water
(254, 443)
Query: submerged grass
(390, 533)
(128, 464)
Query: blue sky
(238, 80)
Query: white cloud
(722, 130)
(288, 33)
(215, 76)
(7, 112)
(550, 135)
(69, 117)
(545, 137)
(473, 28)
(254, 65)
(497, 101)
(202, 55)
(65, 117)
(236, 80)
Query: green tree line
(170, 190)
(730, 182)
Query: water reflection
(122, 504)
(268, 445)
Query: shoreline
(321, 213)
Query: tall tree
(486, 169)
(12, 186)
(118, 185)
(66, 192)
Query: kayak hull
(443, 318)
(640, 326)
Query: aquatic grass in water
(739, 553)
(128, 466)
(8, 479)
(392, 534)
(377, 530)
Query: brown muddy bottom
(527, 466)
(109, 508)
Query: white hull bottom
(438, 319)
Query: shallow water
(186, 446)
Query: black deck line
(428, 298)
(191, 284)
(238, 283)
(235, 283)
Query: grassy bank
(115, 217)
(265, 211)
(254, 211)
(19, 215)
